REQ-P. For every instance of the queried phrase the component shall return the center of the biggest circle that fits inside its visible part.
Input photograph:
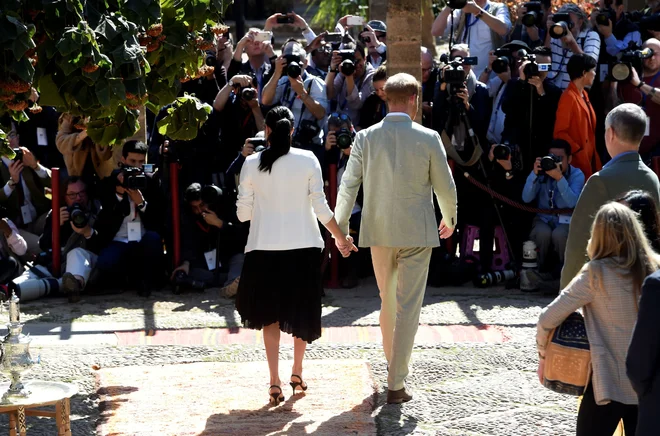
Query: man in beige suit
(400, 164)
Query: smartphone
(333, 38)
(354, 21)
(544, 67)
(19, 155)
(263, 37)
(284, 19)
(148, 168)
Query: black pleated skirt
(285, 287)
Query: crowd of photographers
(519, 101)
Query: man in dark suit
(625, 126)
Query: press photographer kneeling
(80, 242)
(213, 242)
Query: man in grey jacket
(399, 164)
(625, 127)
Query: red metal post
(55, 215)
(334, 253)
(176, 216)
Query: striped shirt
(589, 42)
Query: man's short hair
(380, 74)
(561, 144)
(400, 87)
(628, 121)
(296, 49)
(134, 146)
(460, 47)
(579, 64)
(193, 193)
(542, 51)
(72, 180)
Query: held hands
(463, 94)
(335, 61)
(280, 63)
(28, 159)
(297, 85)
(445, 231)
(345, 245)
(556, 173)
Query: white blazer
(282, 206)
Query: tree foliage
(329, 11)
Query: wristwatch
(330, 70)
(142, 205)
(11, 182)
(481, 12)
(508, 174)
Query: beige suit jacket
(399, 164)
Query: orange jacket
(576, 123)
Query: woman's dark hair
(280, 122)
(579, 64)
(642, 203)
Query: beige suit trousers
(401, 274)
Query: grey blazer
(400, 164)
(626, 174)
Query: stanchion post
(176, 216)
(334, 252)
(55, 215)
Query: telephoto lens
(563, 24)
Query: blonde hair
(618, 235)
(400, 87)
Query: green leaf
(23, 69)
(49, 94)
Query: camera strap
(558, 72)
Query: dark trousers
(136, 260)
(595, 420)
(8, 269)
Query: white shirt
(478, 36)
(134, 216)
(282, 206)
(41, 172)
(15, 241)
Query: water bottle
(527, 283)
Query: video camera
(563, 24)
(534, 14)
(454, 73)
(627, 60)
(348, 61)
(134, 178)
(293, 65)
(533, 68)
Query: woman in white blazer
(281, 194)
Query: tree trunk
(404, 40)
(428, 40)
(378, 10)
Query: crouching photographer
(80, 242)
(12, 245)
(130, 223)
(213, 243)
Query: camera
(293, 65)
(605, 16)
(454, 73)
(134, 178)
(344, 138)
(348, 61)
(503, 61)
(184, 281)
(78, 216)
(534, 14)
(305, 134)
(333, 38)
(456, 4)
(259, 144)
(622, 68)
(211, 60)
(248, 94)
(532, 69)
(284, 19)
(501, 152)
(563, 24)
(549, 163)
(19, 155)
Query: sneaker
(71, 287)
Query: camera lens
(559, 30)
(549, 163)
(531, 70)
(529, 19)
(501, 152)
(347, 67)
(79, 218)
(602, 19)
(293, 70)
(500, 65)
(344, 139)
(457, 4)
(248, 94)
(621, 72)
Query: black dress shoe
(398, 397)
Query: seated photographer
(516, 107)
(569, 36)
(530, 26)
(23, 194)
(79, 241)
(553, 184)
(349, 80)
(619, 33)
(375, 107)
(646, 93)
(129, 223)
(429, 79)
(305, 95)
(213, 241)
(240, 117)
(12, 246)
(261, 57)
(576, 119)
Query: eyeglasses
(74, 195)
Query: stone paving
(460, 388)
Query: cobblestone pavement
(460, 388)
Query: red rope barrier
(176, 216)
(55, 215)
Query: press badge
(647, 132)
(564, 219)
(42, 139)
(210, 257)
(27, 216)
(134, 232)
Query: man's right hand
(15, 170)
(335, 61)
(533, 33)
(444, 230)
(537, 166)
(245, 40)
(280, 63)
(463, 94)
(248, 149)
(242, 80)
(64, 215)
(330, 140)
(185, 267)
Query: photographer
(12, 245)
(617, 30)
(646, 93)
(349, 81)
(130, 222)
(483, 25)
(80, 242)
(23, 193)
(318, 59)
(374, 37)
(304, 94)
(213, 241)
(261, 59)
(375, 107)
(240, 116)
(578, 39)
(543, 96)
(533, 35)
(553, 184)
(429, 79)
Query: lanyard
(468, 24)
(643, 105)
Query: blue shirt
(617, 157)
(563, 193)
